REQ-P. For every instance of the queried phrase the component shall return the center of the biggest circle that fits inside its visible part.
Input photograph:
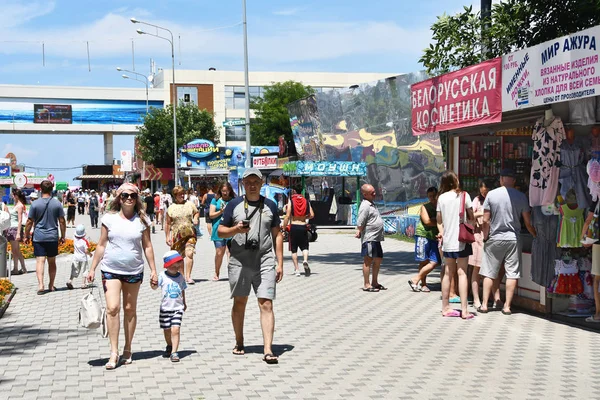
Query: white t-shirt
(172, 288)
(124, 253)
(449, 205)
(80, 248)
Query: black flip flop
(271, 360)
(238, 349)
(480, 310)
(413, 286)
(371, 289)
(506, 312)
(380, 287)
(40, 292)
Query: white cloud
(288, 12)
(19, 12)
(19, 151)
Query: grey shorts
(261, 280)
(497, 252)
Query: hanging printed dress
(545, 163)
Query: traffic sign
(234, 122)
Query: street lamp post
(174, 92)
(247, 89)
(144, 81)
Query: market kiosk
(539, 116)
(322, 207)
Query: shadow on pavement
(19, 338)
(142, 355)
(393, 262)
(278, 349)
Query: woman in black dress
(71, 203)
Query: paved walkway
(334, 342)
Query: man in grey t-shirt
(44, 216)
(252, 223)
(369, 225)
(503, 209)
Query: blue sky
(331, 35)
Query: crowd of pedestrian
(480, 235)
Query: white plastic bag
(4, 219)
(91, 314)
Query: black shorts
(372, 250)
(45, 249)
(71, 213)
(298, 238)
(151, 216)
(207, 218)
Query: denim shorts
(45, 249)
(459, 254)
(220, 243)
(106, 276)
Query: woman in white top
(124, 239)
(14, 234)
(455, 252)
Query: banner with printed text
(558, 70)
(458, 99)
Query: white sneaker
(297, 273)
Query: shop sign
(459, 99)
(126, 161)
(265, 162)
(325, 168)
(281, 161)
(5, 171)
(5, 161)
(22, 179)
(199, 148)
(558, 70)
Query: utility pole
(248, 163)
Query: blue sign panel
(4, 171)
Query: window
(235, 134)
(187, 94)
(235, 96)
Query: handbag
(91, 314)
(465, 230)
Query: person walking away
(158, 209)
(503, 209)
(124, 239)
(298, 213)
(206, 201)
(193, 198)
(173, 305)
(369, 225)
(427, 251)
(149, 205)
(452, 207)
(79, 263)
(216, 210)
(15, 234)
(252, 223)
(93, 205)
(103, 204)
(45, 215)
(180, 232)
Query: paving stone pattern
(334, 341)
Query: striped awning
(92, 177)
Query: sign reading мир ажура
(558, 70)
(471, 96)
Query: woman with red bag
(453, 210)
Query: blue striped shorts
(168, 319)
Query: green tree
(515, 24)
(156, 134)
(271, 114)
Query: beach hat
(171, 257)
(250, 172)
(80, 231)
(33, 196)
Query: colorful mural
(83, 111)
(371, 123)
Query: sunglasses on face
(132, 196)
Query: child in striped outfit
(173, 303)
